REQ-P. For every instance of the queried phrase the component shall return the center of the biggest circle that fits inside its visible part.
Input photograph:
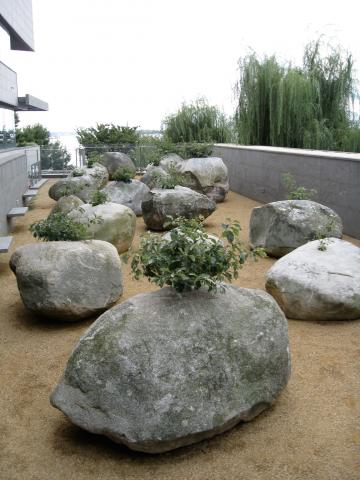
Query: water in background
(69, 141)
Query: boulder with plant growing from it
(184, 363)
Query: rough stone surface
(83, 186)
(207, 175)
(68, 281)
(129, 194)
(111, 222)
(180, 201)
(114, 161)
(163, 370)
(65, 204)
(171, 160)
(153, 176)
(311, 284)
(280, 227)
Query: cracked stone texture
(163, 370)
(280, 227)
(68, 281)
(179, 201)
(207, 175)
(129, 194)
(313, 284)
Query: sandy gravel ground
(311, 433)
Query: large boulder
(68, 281)
(83, 186)
(207, 175)
(280, 227)
(318, 284)
(154, 176)
(65, 204)
(164, 370)
(114, 161)
(111, 222)
(176, 202)
(129, 194)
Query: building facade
(19, 167)
(17, 23)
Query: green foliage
(123, 174)
(295, 192)
(58, 227)
(197, 122)
(94, 157)
(98, 197)
(78, 172)
(107, 134)
(32, 134)
(191, 259)
(173, 178)
(54, 156)
(71, 189)
(300, 107)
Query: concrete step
(5, 243)
(30, 193)
(17, 212)
(38, 184)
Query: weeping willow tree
(307, 107)
(197, 122)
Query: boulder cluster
(162, 369)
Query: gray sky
(134, 61)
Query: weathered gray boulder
(114, 161)
(98, 173)
(280, 227)
(65, 204)
(176, 202)
(164, 370)
(207, 175)
(68, 280)
(82, 186)
(313, 284)
(171, 160)
(111, 222)
(154, 176)
(129, 194)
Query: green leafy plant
(123, 174)
(190, 258)
(98, 197)
(294, 192)
(59, 227)
(54, 156)
(71, 189)
(173, 178)
(107, 134)
(94, 157)
(78, 172)
(323, 236)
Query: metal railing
(141, 155)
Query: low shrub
(191, 259)
(78, 172)
(98, 197)
(94, 157)
(123, 174)
(294, 192)
(59, 227)
(173, 179)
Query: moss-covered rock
(163, 370)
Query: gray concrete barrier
(256, 172)
(15, 175)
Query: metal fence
(141, 155)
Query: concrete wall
(14, 180)
(256, 173)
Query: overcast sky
(134, 61)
